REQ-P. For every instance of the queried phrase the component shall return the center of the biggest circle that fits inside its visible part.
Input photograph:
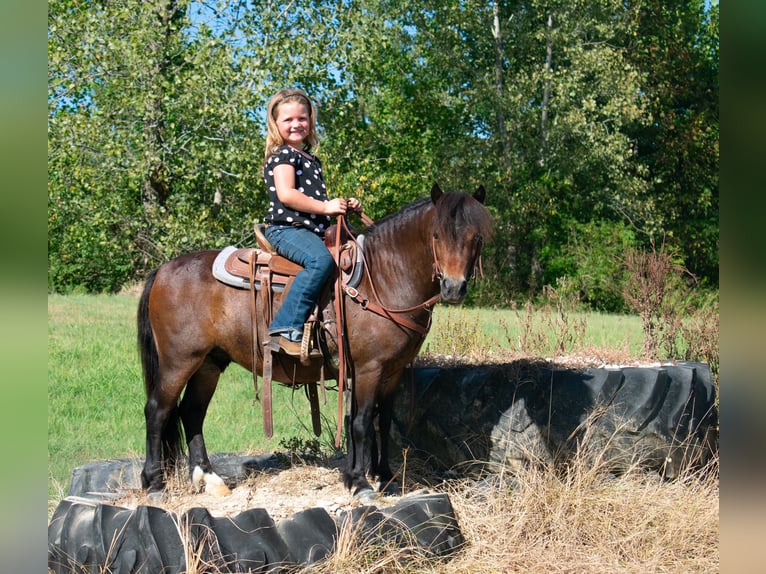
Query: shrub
(592, 260)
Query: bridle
(398, 315)
(376, 306)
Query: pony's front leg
(359, 437)
(380, 465)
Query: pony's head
(461, 224)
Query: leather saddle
(233, 266)
(265, 273)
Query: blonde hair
(273, 139)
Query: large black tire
(93, 537)
(98, 479)
(661, 418)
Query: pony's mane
(398, 217)
(453, 215)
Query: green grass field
(96, 396)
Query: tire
(474, 417)
(89, 537)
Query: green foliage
(676, 45)
(301, 449)
(578, 118)
(592, 259)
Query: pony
(191, 326)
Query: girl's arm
(284, 181)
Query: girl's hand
(341, 206)
(354, 205)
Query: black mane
(455, 213)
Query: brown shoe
(292, 348)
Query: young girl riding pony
(299, 210)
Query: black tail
(172, 433)
(146, 346)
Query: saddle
(233, 265)
(266, 274)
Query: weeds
(460, 335)
(579, 517)
(553, 328)
(302, 450)
(675, 325)
(700, 333)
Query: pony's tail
(146, 345)
(172, 433)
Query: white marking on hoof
(197, 475)
(214, 485)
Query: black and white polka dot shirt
(308, 180)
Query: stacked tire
(659, 418)
(91, 537)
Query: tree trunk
(546, 90)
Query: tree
(574, 115)
(547, 91)
(676, 44)
(151, 149)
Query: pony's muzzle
(453, 290)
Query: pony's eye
(436, 236)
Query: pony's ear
(436, 192)
(479, 194)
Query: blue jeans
(307, 249)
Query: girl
(299, 209)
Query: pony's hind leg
(193, 408)
(164, 444)
(161, 422)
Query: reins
(340, 322)
(345, 368)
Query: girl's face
(293, 123)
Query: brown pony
(191, 326)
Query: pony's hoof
(215, 485)
(217, 489)
(390, 488)
(366, 495)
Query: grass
(581, 520)
(96, 397)
(498, 331)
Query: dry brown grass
(581, 520)
(585, 522)
(563, 519)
